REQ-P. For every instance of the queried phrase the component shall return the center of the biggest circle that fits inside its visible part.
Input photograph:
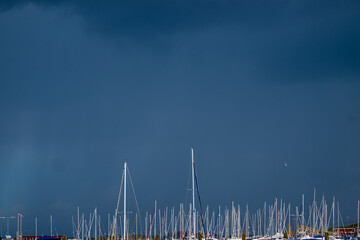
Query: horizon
(344, 221)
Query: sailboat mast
(333, 207)
(193, 191)
(125, 165)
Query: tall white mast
(78, 223)
(193, 191)
(338, 218)
(333, 207)
(95, 223)
(303, 215)
(155, 216)
(125, 165)
(21, 233)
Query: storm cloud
(86, 86)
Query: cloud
(158, 17)
(285, 40)
(152, 17)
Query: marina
(179, 120)
(320, 220)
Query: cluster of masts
(269, 222)
(273, 221)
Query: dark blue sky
(85, 86)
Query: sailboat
(192, 231)
(113, 234)
(193, 235)
(125, 233)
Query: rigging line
(117, 206)
(137, 205)
(197, 188)
(170, 223)
(187, 186)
